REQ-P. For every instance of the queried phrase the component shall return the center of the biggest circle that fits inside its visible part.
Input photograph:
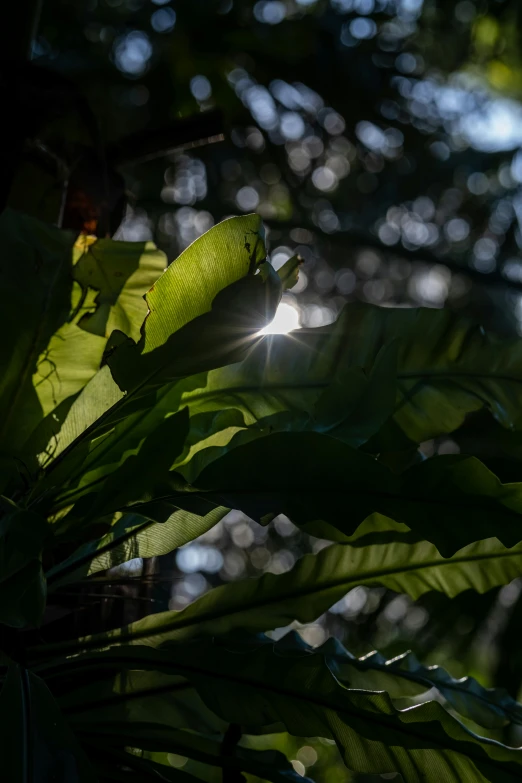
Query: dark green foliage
(203, 414)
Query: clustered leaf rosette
(140, 403)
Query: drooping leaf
(450, 500)
(315, 583)
(264, 686)
(114, 276)
(404, 675)
(133, 536)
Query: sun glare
(285, 320)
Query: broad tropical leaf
(137, 476)
(288, 383)
(102, 438)
(450, 500)
(404, 676)
(448, 366)
(263, 685)
(114, 277)
(133, 536)
(315, 583)
(206, 309)
(70, 360)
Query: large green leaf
(133, 536)
(68, 363)
(315, 583)
(264, 686)
(161, 697)
(206, 309)
(230, 251)
(36, 744)
(450, 500)
(35, 280)
(59, 431)
(286, 383)
(101, 440)
(48, 358)
(137, 476)
(404, 675)
(114, 276)
(448, 366)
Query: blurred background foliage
(382, 141)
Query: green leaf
(158, 697)
(133, 536)
(135, 479)
(226, 253)
(95, 440)
(242, 306)
(265, 686)
(287, 383)
(48, 357)
(114, 276)
(448, 366)
(70, 360)
(58, 433)
(289, 272)
(36, 744)
(450, 500)
(205, 310)
(36, 288)
(404, 675)
(315, 583)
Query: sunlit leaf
(114, 276)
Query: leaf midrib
(212, 614)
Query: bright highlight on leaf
(285, 320)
